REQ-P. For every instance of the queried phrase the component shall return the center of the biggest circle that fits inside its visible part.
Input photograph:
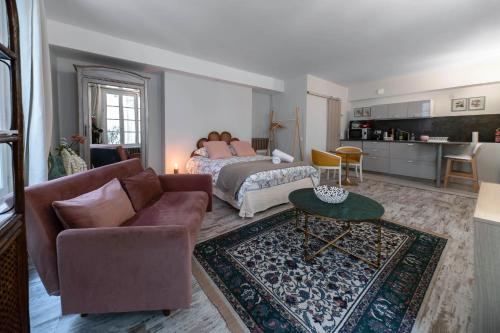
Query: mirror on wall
(4, 24)
(113, 114)
(5, 96)
(6, 181)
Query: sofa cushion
(142, 188)
(107, 206)
(217, 149)
(184, 208)
(243, 148)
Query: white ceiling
(340, 40)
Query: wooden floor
(447, 307)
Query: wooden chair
(463, 159)
(355, 160)
(323, 160)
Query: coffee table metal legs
(333, 243)
(379, 242)
(306, 235)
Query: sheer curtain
(36, 89)
(333, 125)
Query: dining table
(346, 156)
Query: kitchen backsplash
(457, 128)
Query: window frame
(137, 111)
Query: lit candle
(176, 168)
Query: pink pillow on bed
(217, 149)
(243, 148)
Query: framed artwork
(477, 103)
(367, 112)
(459, 104)
(358, 112)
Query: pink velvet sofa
(144, 264)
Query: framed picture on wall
(459, 104)
(367, 112)
(477, 103)
(358, 112)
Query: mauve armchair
(145, 264)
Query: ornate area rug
(260, 271)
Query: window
(122, 116)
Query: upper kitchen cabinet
(419, 109)
(379, 111)
(397, 110)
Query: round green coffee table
(356, 208)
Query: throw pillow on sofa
(142, 188)
(107, 206)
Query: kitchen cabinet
(377, 156)
(379, 111)
(486, 292)
(419, 109)
(379, 149)
(353, 143)
(397, 110)
(413, 151)
(413, 168)
(376, 163)
(413, 159)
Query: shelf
(6, 53)
(9, 138)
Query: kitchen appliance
(366, 134)
(402, 135)
(360, 130)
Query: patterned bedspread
(257, 181)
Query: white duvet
(259, 180)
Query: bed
(259, 190)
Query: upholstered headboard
(215, 136)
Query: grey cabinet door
(376, 163)
(379, 111)
(419, 109)
(379, 149)
(358, 144)
(413, 168)
(413, 151)
(397, 110)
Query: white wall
(69, 36)
(316, 115)
(316, 125)
(285, 103)
(261, 107)
(481, 72)
(196, 106)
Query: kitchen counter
(413, 141)
(431, 161)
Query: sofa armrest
(124, 269)
(188, 182)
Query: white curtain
(5, 110)
(333, 125)
(36, 88)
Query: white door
(316, 122)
